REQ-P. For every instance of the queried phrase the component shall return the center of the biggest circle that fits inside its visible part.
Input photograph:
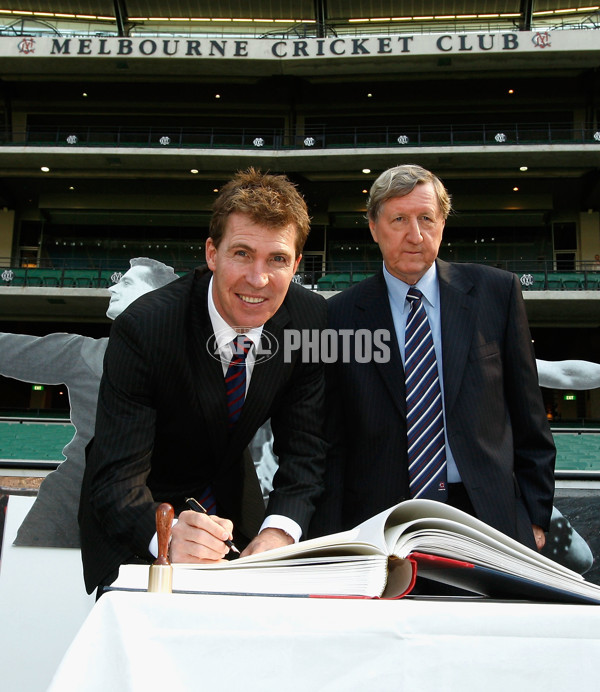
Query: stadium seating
(34, 441)
(572, 281)
(357, 277)
(45, 441)
(15, 277)
(51, 277)
(79, 278)
(555, 282)
(533, 281)
(342, 281)
(592, 282)
(338, 281)
(577, 451)
(104, 278)
(326, 283)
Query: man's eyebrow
(239, 245)
(244, 246)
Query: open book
(382, 558)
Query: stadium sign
(296, 49)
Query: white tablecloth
(138, 641)
(43, 604)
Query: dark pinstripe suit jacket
(495, 419)
(161, 428)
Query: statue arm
(41, 359)
(568, 374)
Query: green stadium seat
(572, 281)
(326, 283)
(555, 282)
(34, 277)
(101, 279)
(342, 281)
(357, 277)
(51, 277)
(79, 278)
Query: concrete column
(7, 231)
(589, 236)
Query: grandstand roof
(326, 15)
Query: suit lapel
(207, 370)
(373, 312)
(456, 306)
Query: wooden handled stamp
(160, 579)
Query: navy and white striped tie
(424, 413)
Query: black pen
(197, 507)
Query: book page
(366, 539)
(430, 515)
(341, 576)
(444, 531)
(363, 575)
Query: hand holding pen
(199, 537)
(197, 507)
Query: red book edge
(416, 559)
(437, 562)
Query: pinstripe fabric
(162, 427)
(424, 415)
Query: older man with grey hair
(476, 436)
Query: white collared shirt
(225, 335)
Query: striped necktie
(235, 387)
(424, 414)
(235, 378)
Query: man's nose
(414, 231)
(258, 276)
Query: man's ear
(373, 230)
(296, 263)
(210, 252)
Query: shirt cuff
(278, 521)
(153, 546)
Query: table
(136, 641)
